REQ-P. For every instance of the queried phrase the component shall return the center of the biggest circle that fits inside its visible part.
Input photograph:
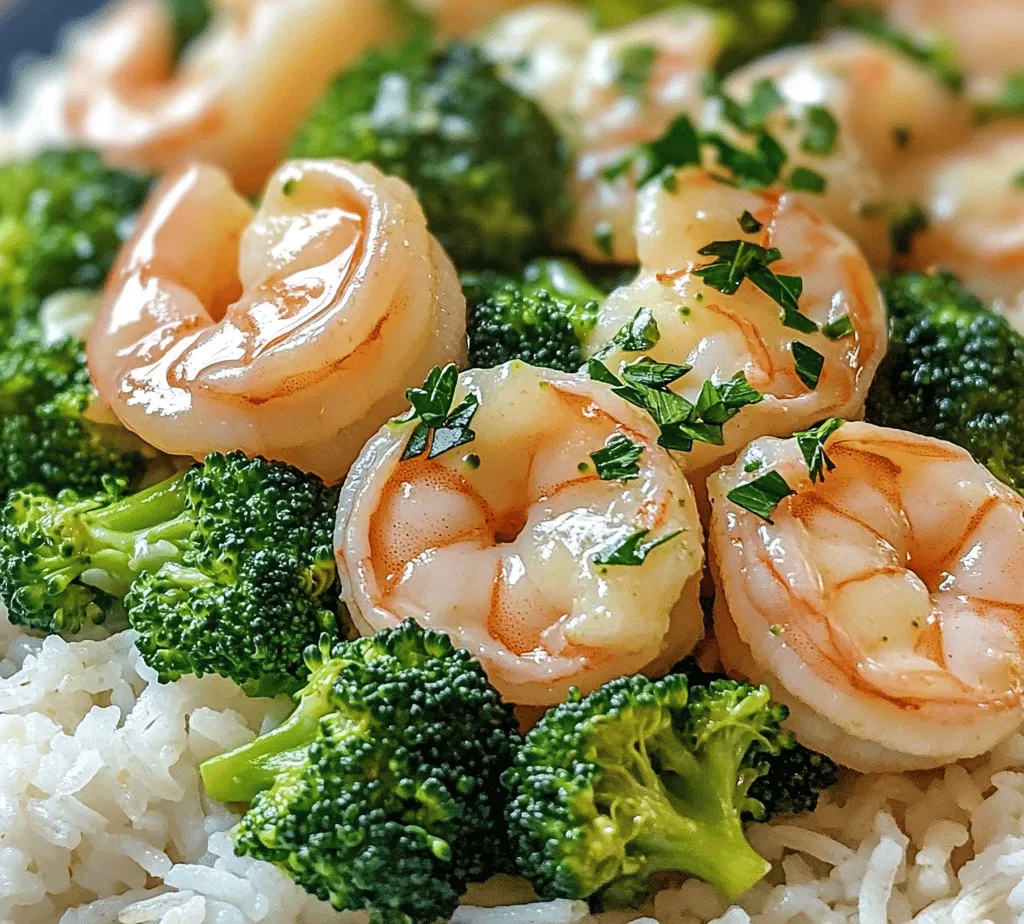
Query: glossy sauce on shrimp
(291, 332)
(882, 604)
(236, 96)
(497, 542)
(973, 198)
(719, 335)
(888, 113)
(608, 92)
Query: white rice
(103, 821)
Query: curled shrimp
(985, 34)
(889, 112)
(720, 335)
(608, 91)
(289, 333)
(974, 203)
(234, 99)
(497, 543)
(882, 604)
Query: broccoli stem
(239, 775)
(140, 532)
(689, 806)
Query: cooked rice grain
(102, 820)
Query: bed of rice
(103, 821)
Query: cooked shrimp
(889, 112)
(608, 92)
(985, 33)
(289, 333)
(496, 543)
(237, 95)
(720, 335)
(883, 605)
(974, 200)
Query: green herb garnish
(617, 461)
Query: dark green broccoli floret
(189, 19)
(487, 165)
(46, 439)
(748, 28)
(63, 217)
(638, 778)
(227, 568)
(540, 318)
(955, 370)
(793, 779)
(382, 791)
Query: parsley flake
(1018, 179)
(617, 461)
(762, 495)
(809, 363)
(631, 550)
(812, 446)
(439, 426)
(634, 66)
(1009, 103)
(821, 133)
(803, 179)
(749, 223)
(739, 260)
(901, 136)
(636, 335)
(905, 220)
(839, 328)
(604, 238)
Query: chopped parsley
(935, 54)
(604, 238)
(821, 131)
(439, 425)
(739, 260)
(901, 137)
(839, 328)
(803, 179)
(812, 446)
(631, 550)
(1018, 179)
(636, 335)
(749, 223)
(633, 69)
(646, 385)
(905, 220)
(762, 495)
(809, 363)
(1009, 103)
(753, 168)
(617, 461)
(754, 466)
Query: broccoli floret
(748, 28)
(487, 165)
(189, 19)
(382, 791)
(63, 217)
(46, 439)
(540, 318)
(227, 568)
(954, 370)
(793, 779)
(642, 777)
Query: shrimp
(236, 97)
(889, 111)
(883, 605)
(974, 200)
(497, 545)
(289, 333)
(721, 335)
(986, 34)
(605, 105)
